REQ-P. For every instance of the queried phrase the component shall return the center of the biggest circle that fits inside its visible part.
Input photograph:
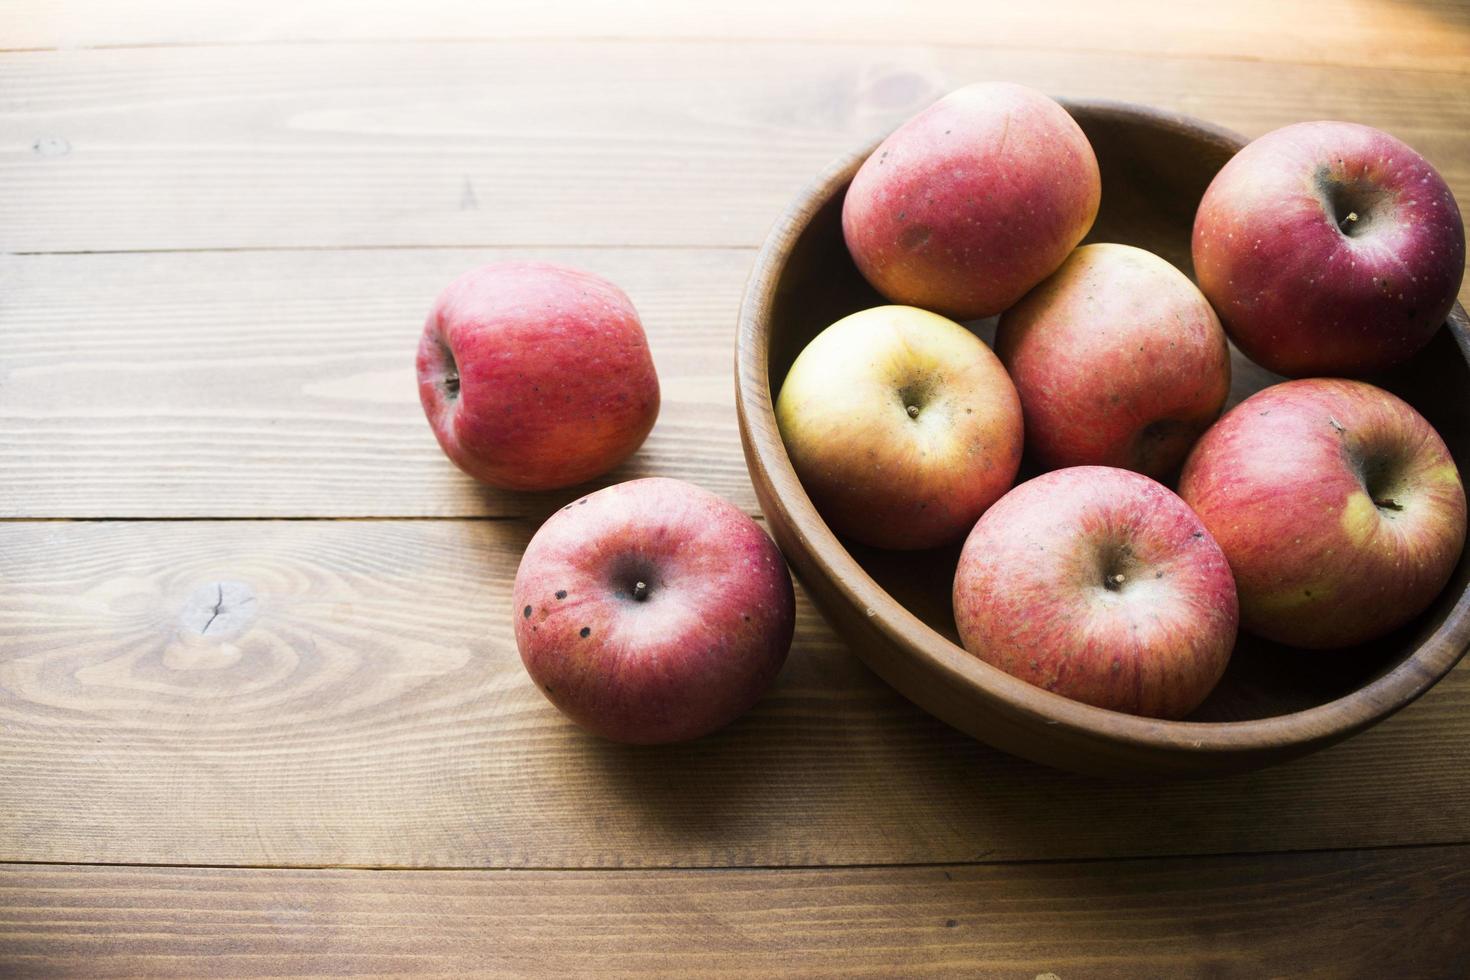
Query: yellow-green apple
(973, 201)
(652, 611)
(902, 426)
(1338, 506)
(1119, 361)
(535, 376)
(1101, 585)
(1329, 248)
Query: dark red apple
(973, 201)
(1101, 585)
(653, 611)
(1329, 248)
(1119, 361)
(535, 376)
(1338, 506)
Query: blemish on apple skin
(585, 632)
(561, 593)
(526, 612)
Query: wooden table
(260, 709)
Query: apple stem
(1388, 503)
(913, 411)
(640, 591)
(1115, 581)
(1352, 216)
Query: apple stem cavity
(451, 372)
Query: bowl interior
(1155, 167)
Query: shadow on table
(835, 768)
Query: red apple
(652, 611)
(973, 201)
(1119, 361)
(902, 426)
(1101, 585)
(536, 376)
(1329, 248)
(1338, 506)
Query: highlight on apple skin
(1119, 361)
(653, 611)
(973, 201)
(902, 426)
(1101, 585)
(1329, 248)
(1338, 506)
(535, 376)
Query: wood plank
(367, 707)
(551, 143)
(1433, 34)
(281, 384)
(1396, 913)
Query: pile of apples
(1321, 512)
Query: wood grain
(1399, 913)
(550, 142)
(1342, 32)
(356, 699)
(281, 384)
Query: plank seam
(715, 869)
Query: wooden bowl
(893, 608)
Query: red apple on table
(973, 201)
(1101, 585)
(653, 611)
(1119, 361)
(1329, 248)
(1338, 506)
(902, 426)
(535, 376)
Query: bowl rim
(1339, 718)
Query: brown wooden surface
(281, 189)
(281, 383)
(368, 708)
(1325, 914)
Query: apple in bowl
(1338, 506)
(902, 426)
(1119, 361)
(535, 376)
(1101, 585)
(653, 611)
(1329, 248)
(973, 201)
